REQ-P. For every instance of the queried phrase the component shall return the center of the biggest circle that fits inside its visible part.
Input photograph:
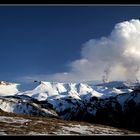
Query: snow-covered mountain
(48, 90)
(113, 102)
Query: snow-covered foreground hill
(115, 103)
(27, 125)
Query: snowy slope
(113, 88)
(23, 105)
(8, 88)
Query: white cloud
(115, 57)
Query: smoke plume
(115, 57)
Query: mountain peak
(7, 88)
(5, 83)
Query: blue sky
(44, 40)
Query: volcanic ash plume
(116, 57)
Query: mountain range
(115, 103)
